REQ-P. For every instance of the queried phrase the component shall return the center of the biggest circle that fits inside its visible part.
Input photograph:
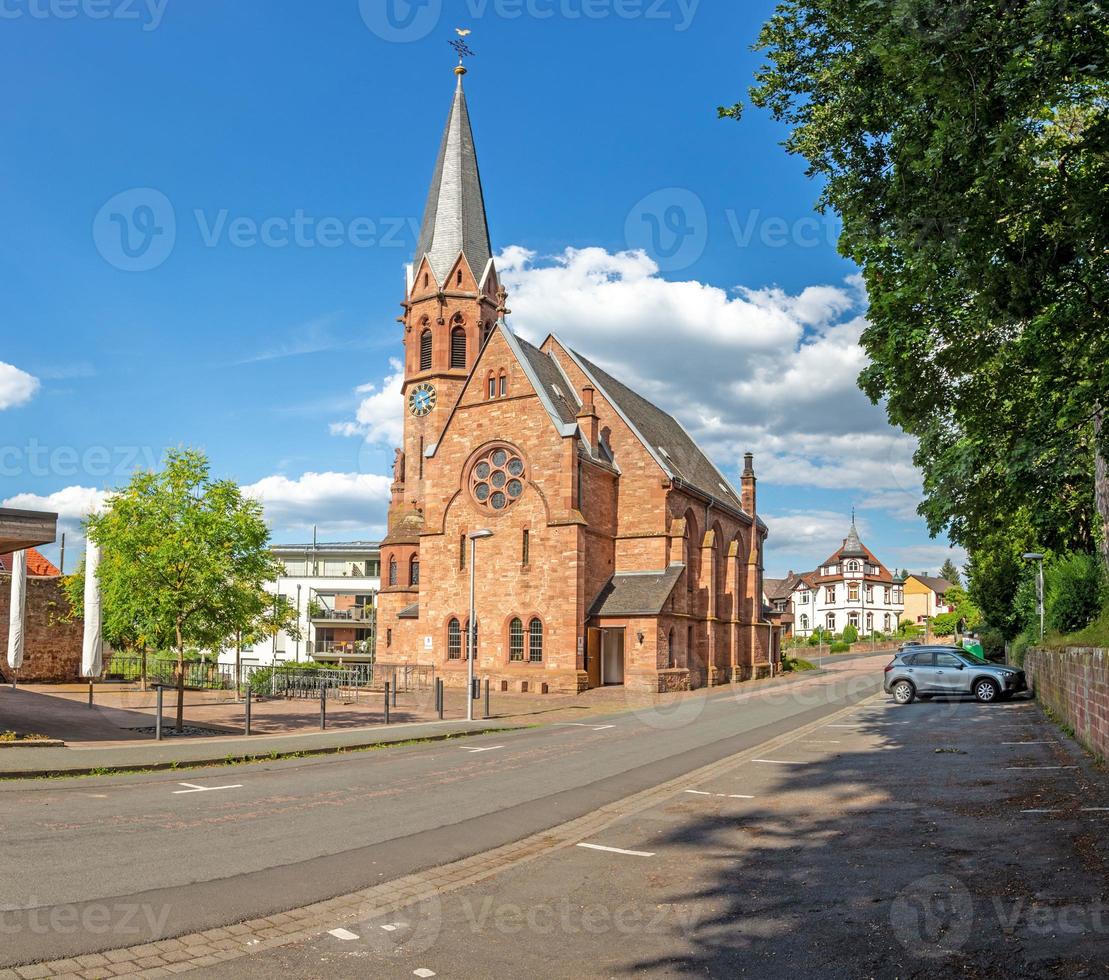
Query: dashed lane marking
(1036, 768)
(726, 796)
(781, 762)
(193, 788)
(580, 724)
(618, 850)
(488, 748)
(424, 972)
(1044, 742)
(344, 934)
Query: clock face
(421, 400)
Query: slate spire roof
(454, 218)
(852, 544)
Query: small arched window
(516, 641)
(454, 640)
(852, 566)
(459, 279)
(458, 347)
(804, 622)
(503, 384)
(425, 351)
(492, 387)
(426, 280)
(414, 571)
(671, 657)
(535, 641)
(392, 571)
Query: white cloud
(16, 387)
(927, 558)
(814, 532)
(760, 370)
(330, 501)
(380, 416)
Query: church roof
(636, 593)
(454, 218)
(663, 436)
(556, 388)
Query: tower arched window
(502, 384)
(425, 350)
(516, 641)
(454, 640)
(535, 641)
(414, 571)
(392, 571)
(458, 347)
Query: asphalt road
(946, 839)
(173, 853)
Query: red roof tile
(37, 566)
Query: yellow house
(925, 598)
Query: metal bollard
(442, 696)
(394, 688)
(158, 719)
(323, 708)
(386, 702)
(248, 693)
(486, 715)
(90, 694)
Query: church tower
(452, 302)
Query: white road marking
(1040, 811)
(725, 796)
(780, 762)
(193, 788)
(344, 934)
(1095, 809)
(1045, 742)
(424, 972)
(394, 926)
(581, 724)
(1032, 768)
(821, 741)
(490, 748)
(619, 850)
(842, 726)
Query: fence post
(323, 707)
(394, 687)
(486, 698)
(386, 702)
(442, 696)
(158, 719)
(248, 693)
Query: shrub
(945, 624)
(850, 634)
(841, 647)
(1074, 592)
(797, 664)
(993, 643)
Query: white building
(851, 588)
(334, 589)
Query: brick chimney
(748, 497)
(588, 418)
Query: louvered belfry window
(425, 351)
(458, 348)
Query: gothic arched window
(535, 641)
(414, 571)
(516, 641)
(425, 351)
(392, 571)
(454, 640)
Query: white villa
(851, 588)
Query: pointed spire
(454, 219)
(852, 545)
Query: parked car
(924, 672)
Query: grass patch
(1094, 635)
(792, 664)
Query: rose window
(497, 479)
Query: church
(606, 547)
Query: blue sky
(211, 129)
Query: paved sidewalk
(102, 740)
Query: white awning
(18, 612)
(92, 650)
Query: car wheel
(903, 692)
(986, 690)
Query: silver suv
(924, 672)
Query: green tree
(184, 557)
(950, 572)
(945, 624)
(850, 634)
(964, 145)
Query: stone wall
(52, 647)
(1074, 684)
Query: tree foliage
(185, 559)
(950, 572)
(964, 145)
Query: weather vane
(462, 49)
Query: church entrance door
(612, 657)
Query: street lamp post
(1039, 558)
(471, 631)
(298, 623)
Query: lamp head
(478, 535)
(1033, 556)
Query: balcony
(343, 617)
